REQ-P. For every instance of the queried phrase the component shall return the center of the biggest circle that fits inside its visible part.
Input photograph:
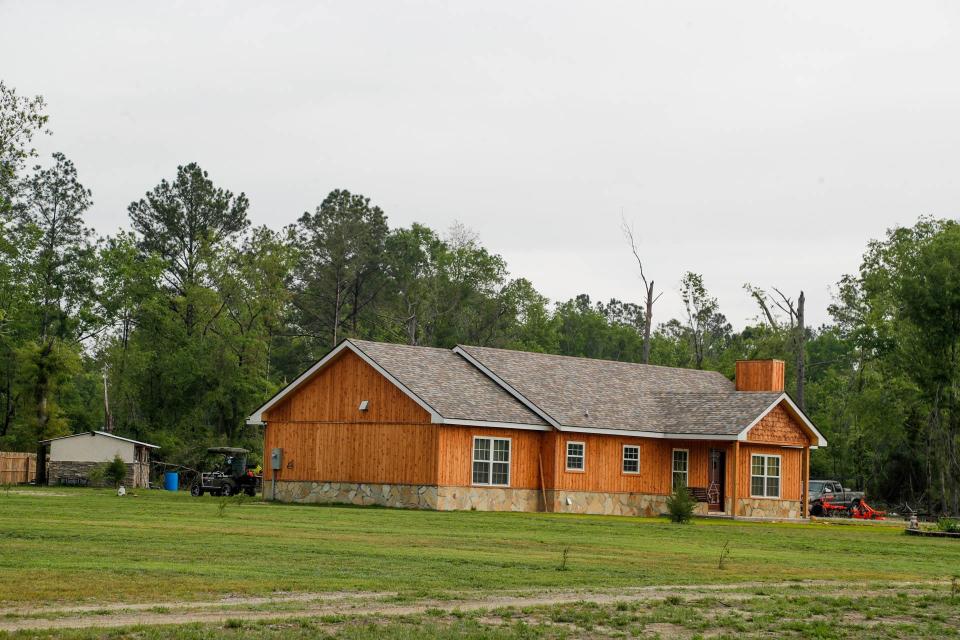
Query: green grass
(83, 545)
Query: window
(575, 456)
(681, 465)
(491, 461)
(631, 458)
(765, 476)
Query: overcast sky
(747, 141)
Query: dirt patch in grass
(601, 611)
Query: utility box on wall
(276, 459)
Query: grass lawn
(70, 546)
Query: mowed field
(370, 572)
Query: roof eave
(648, 434)
(101, 433)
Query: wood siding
(603, 465)
(791, 469)
(334, 395)
(456, 455)
(325, 436)
(759, 375)
(375, 453)
(778, 427)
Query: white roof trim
(257, 416)
(509, 389)
(821, 441)
(103, 433)
(497, 425)
(647, 434)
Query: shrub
(948, 525)
(98, 475)
(116, 471)
(680, 506)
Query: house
(492, 429)
(73, 458)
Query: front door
(716, 480)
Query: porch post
(736, 478)
(805, 489)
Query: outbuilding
(73, 458)
(493, 429)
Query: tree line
(175, 329)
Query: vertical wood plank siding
(334, 395)
(759, 375)
(791, 469)
(17, 467)
(456, 455)
(358, 452)
(603, 470)
(325, 436)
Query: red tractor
(857, 508)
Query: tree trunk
(42, 390)
(336, 315)
(647, 323)
(801, 353)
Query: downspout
(736, 479)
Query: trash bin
(171, 480)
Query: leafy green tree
(708, 329)
(186, 222)
(339, 273)
(929, 291)
(59, 268)
(414, 262)
(21, 118)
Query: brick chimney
(759, 375)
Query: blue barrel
(171, 480)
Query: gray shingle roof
(448, 383)
(601, 394)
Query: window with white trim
(764, 476)
(681, 467)
(491, 461)
(575, 456)
(631, 458)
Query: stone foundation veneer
(407, 496)
(770, 508)
(612, 504)
(471, 498)
(489, 499)
(60, 469)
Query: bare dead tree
(795, 327)
(649, 297)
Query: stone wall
(62, 469)
(407, 496)
(488, 499)
(770, 508)
(615, 504)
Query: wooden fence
(17, 468)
